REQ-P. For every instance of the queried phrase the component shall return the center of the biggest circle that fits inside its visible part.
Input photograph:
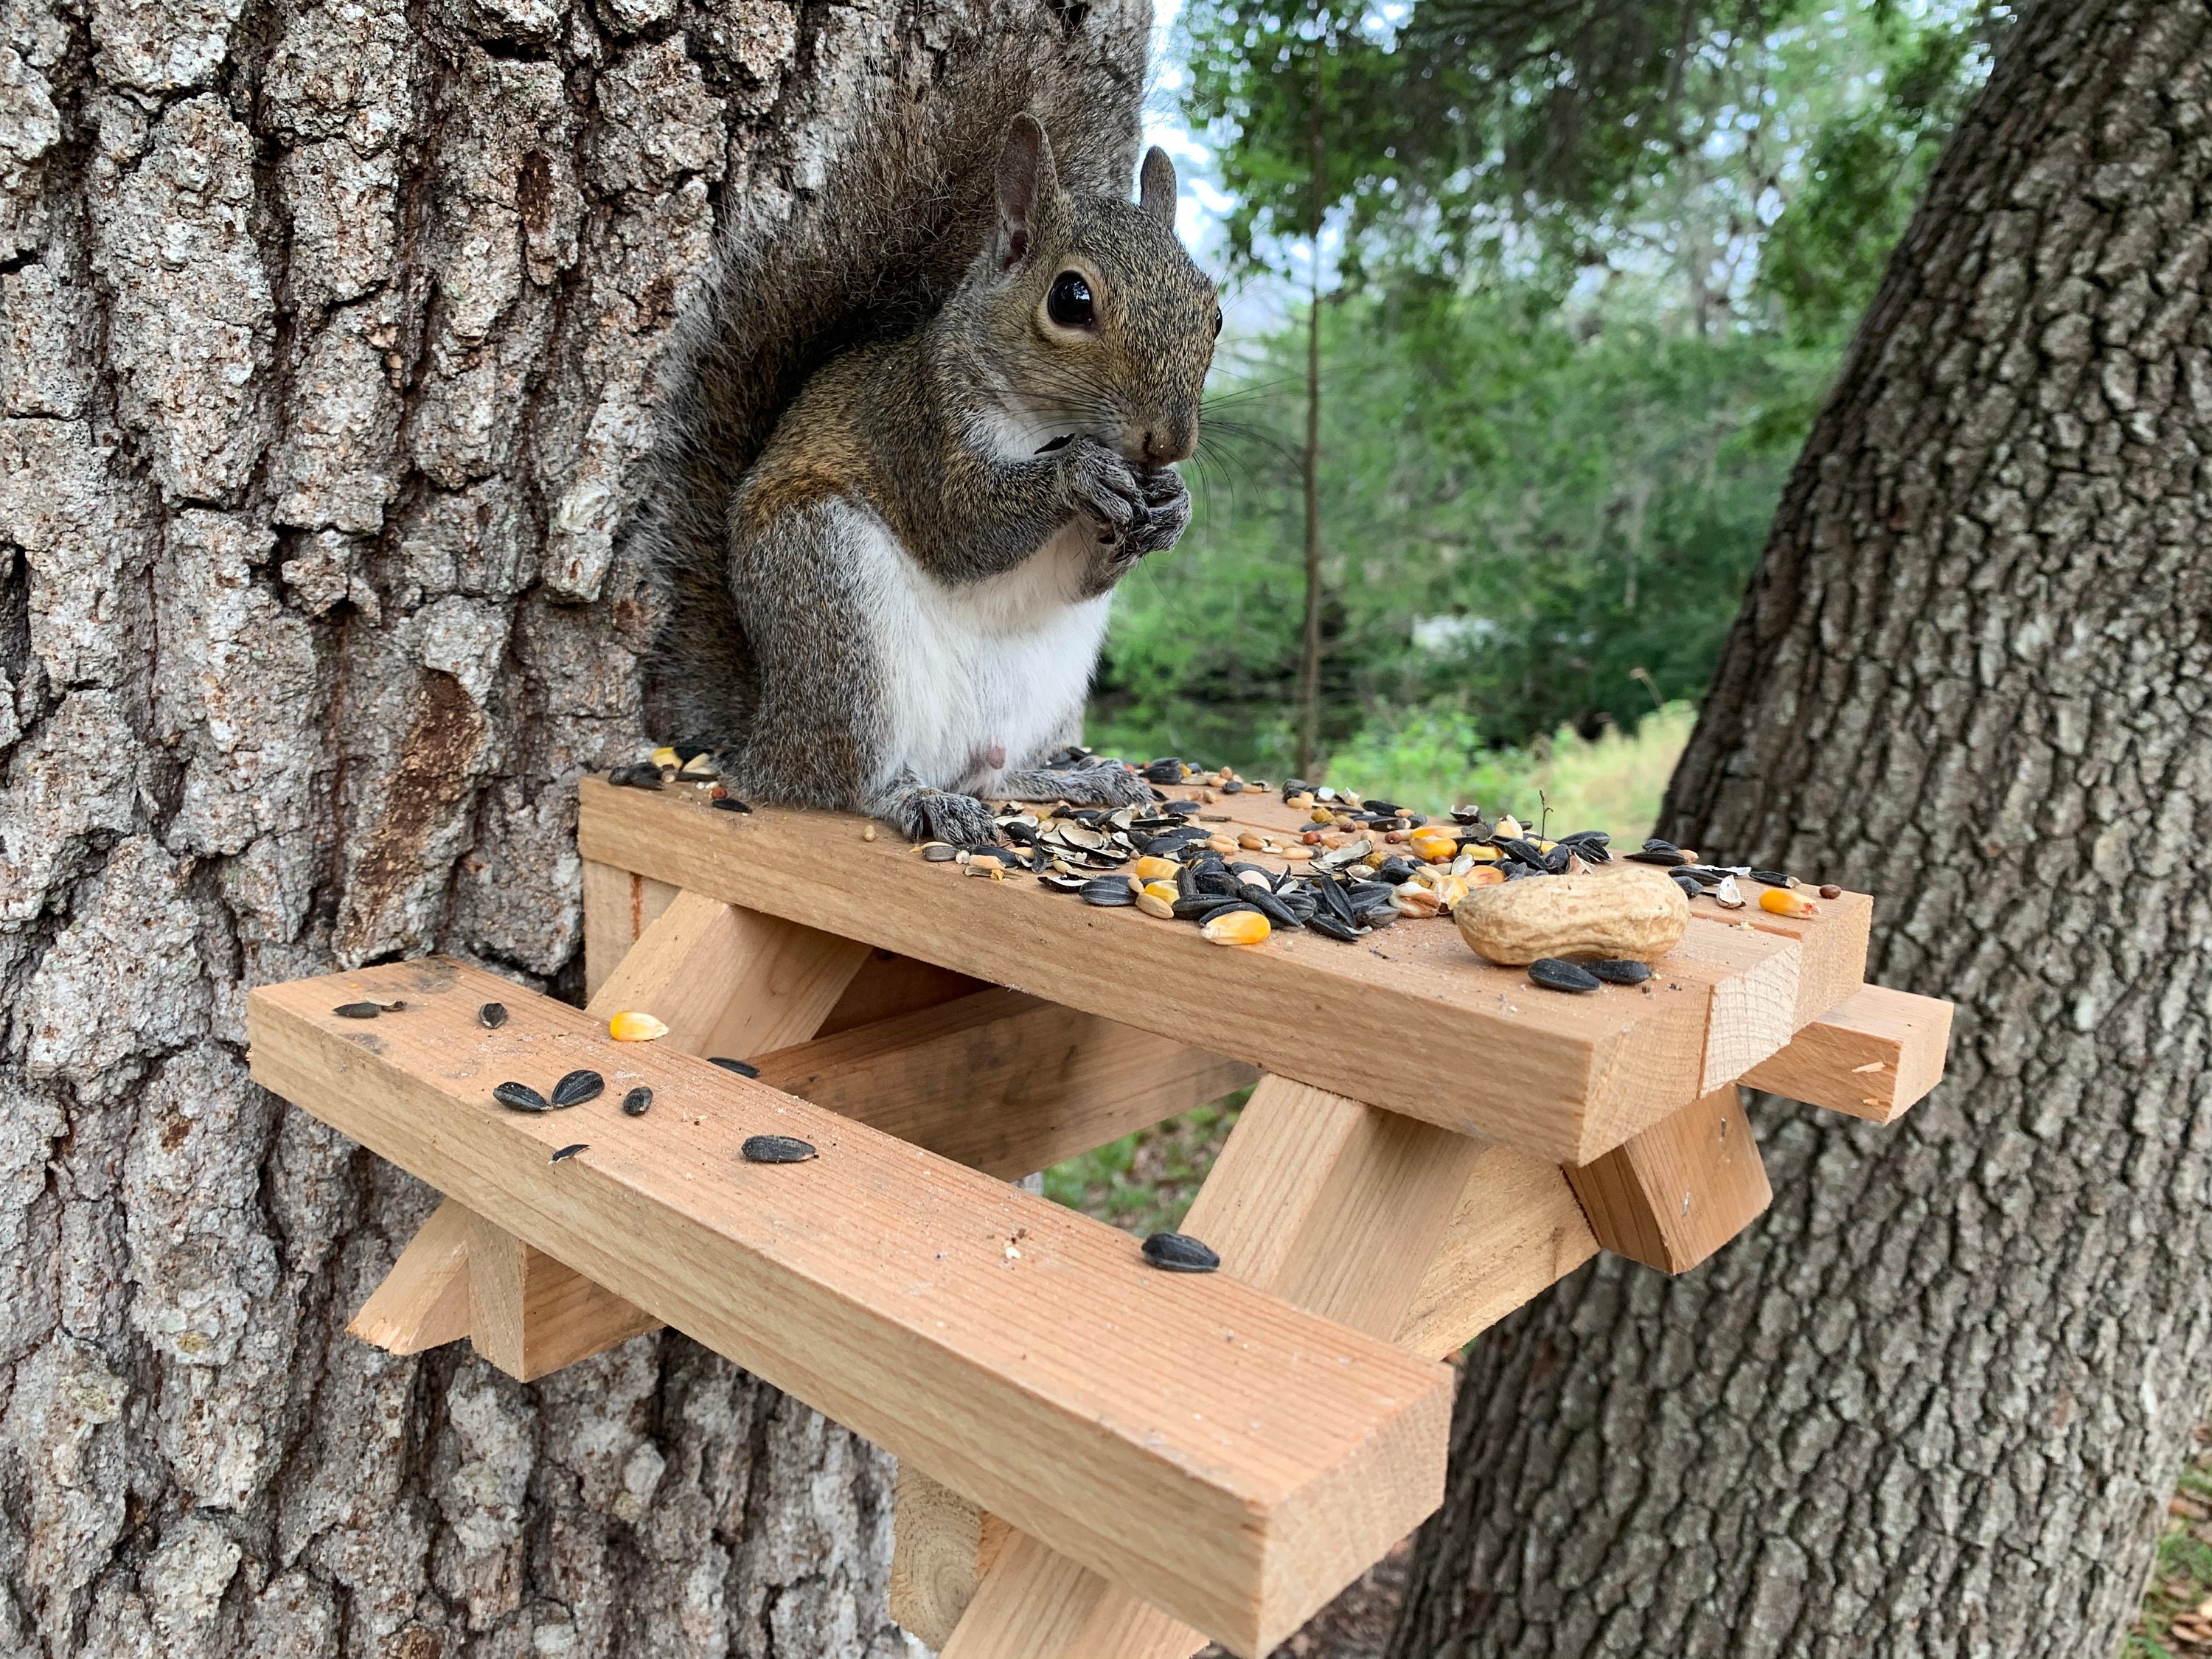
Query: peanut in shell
(1622, 911)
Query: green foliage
(1520, 519)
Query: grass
(2176, 1622)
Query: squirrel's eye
(1069, 303)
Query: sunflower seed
(1557, 974)
(1618, 970)
(492, 1016)
(1179, 1252)
(356, 1011)
(1664, 857)
(570, 1152)
(1769, 877)
(521, 1097)
(579, 1086)
(1108, 890)
(1687, 884)
(1331, 927)
(939, 852)
(643, 775)
(638, 1102)
(741, 1067)
(775, 1149)
(729, 803)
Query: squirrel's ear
(1156, 187)
(1026, 181)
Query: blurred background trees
(1560, 300)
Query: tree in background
(1290, 94)
(1933, 1402)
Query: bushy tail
(846, 248)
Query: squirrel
(888, 504)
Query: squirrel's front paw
(1104, 486)
(939, 815)
(1166, 515)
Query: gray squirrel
(889, 504)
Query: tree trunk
(1933, 1402)
(327, 329)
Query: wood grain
(1517, 1230)
(1336, 1205)
(1681, 1189)
(618, 906)
(530, 1315)
(941, 1547)
(1002, 1082)
(423, 1302)
(1477, 1049)
(1875, 1056)
(1190, 1439)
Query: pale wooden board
(1320, 1200)
(1754, 994)
(1681, 1189)
(1875, 1055)
(730, 981)
(1189, 1439)
(1002, 1082)
(941, 1547)
(1474, 1048)
(1518, 1230)
(888, 985)
(618, 906)
(530, 1315)
(423, 1302)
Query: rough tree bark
(1932, 1403)
(327, 329)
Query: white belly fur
(1003, 663)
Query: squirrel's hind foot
(928, 814)
(1102, 783)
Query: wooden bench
(1097, 1460)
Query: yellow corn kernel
(1434, 848)
(1781, 901)
(1485, 875)
(1482, 853)
(1237, 927)
(1510, 827)
(1451, 890)
(1156, 869)
(630, 1026)
(1162, 891)
(665, 757)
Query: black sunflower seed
(1659, 856)
(1182, 809)
(643, 775)
(1619, 971)
(492, 1016)
(1597, 835)
(775, 1149)
(1211, 879)
(570, 1152)
(1223, 908)
(1232, 786)
(638, 1102)
(1179, 1252)
(1167, 769)
(1022, 835)
(356, 1011)
(729, 803)
(1769, 877)
(741, 1067)
(1278, 913)
(688, 752)
(1063, 884)
(1331, 927)
(521, 1097)
(1687, 884)
(1199, 906)
(1556, 859)
(1527, 851)
(939, 852)
(1382, 808)
(579, 1086)
(1394, 871)
(1557, 974)
(1108, 891)
(1660, 844)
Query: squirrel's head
(1096, 321)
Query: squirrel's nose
(1174, 444)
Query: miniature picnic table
(1097, 1460)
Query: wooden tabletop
(1407, 1018)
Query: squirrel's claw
(928, 814)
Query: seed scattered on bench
(1179, 1252)
(631, 1026)
(643, 775)
(570, 1152)
(638, 1102)
(729, 803)
(1619, 971)
(1557, 974)
(775, 1149)
(741, 1067)
(492, 1016)
(521, 1097)
(1830, 890)
(356, 1011)
(579, 1086)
